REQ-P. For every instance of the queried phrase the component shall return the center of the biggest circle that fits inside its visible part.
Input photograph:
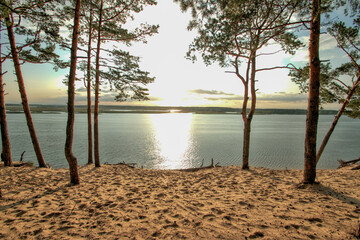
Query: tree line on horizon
(231, 33)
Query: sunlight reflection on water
(179, 140)
(172, 139)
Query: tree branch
(289, 66)
(267, 54)
(120, 12)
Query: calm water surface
(179, 140)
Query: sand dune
(118, 202)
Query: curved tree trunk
(6, 146)
(74, 174)
(312, 115)
(97, 86)
(88, 88)
(22, 91)
(336, 119)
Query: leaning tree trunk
(97, 85)
(336, 119)
(22, 91)
(74, 174)
(88, 87)
(312, 115)
(6, 146)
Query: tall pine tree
(72, 160)
(41, 31)
(111, 19)
(231, 32)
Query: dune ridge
(118, 202)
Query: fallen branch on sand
(356, 168)
(346, 163)
(21, 164)
(201, 167)
(130, 165)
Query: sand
(118, 202)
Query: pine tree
(39, 28)
(312, 115)
(72, 160)
(232, 31)
(5, 140)
(88, 82)
(110, 28)
(340, 84)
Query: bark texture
(312, 115)
(247, 117)
(97, 86)
(22, 91)
(74, 174)
(88, 88)
(6, 146)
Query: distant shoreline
(46, 109)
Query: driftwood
(133, 165)
(356, 168)
(346, 163)
(130, 165)
(201, 167)
(22, 156)
(20, 164)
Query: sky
(179, 82)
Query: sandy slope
(117, 202)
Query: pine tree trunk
(74, 174)
(335, 121)
(312, 115)
(97, 86)
(246, 131)
(248, 118)
(90, 146)
(246, 144)
(6, 146)
(22, 91)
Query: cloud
(209, 92)
(301, 55)
(81, 89)
(215, 95)
(153, 98)
(275, 99)
(327, 42)
(282, 97)
(279, 97)
(231, 98)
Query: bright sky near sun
(179, 82)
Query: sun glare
(172, 133)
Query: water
(179, 140)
